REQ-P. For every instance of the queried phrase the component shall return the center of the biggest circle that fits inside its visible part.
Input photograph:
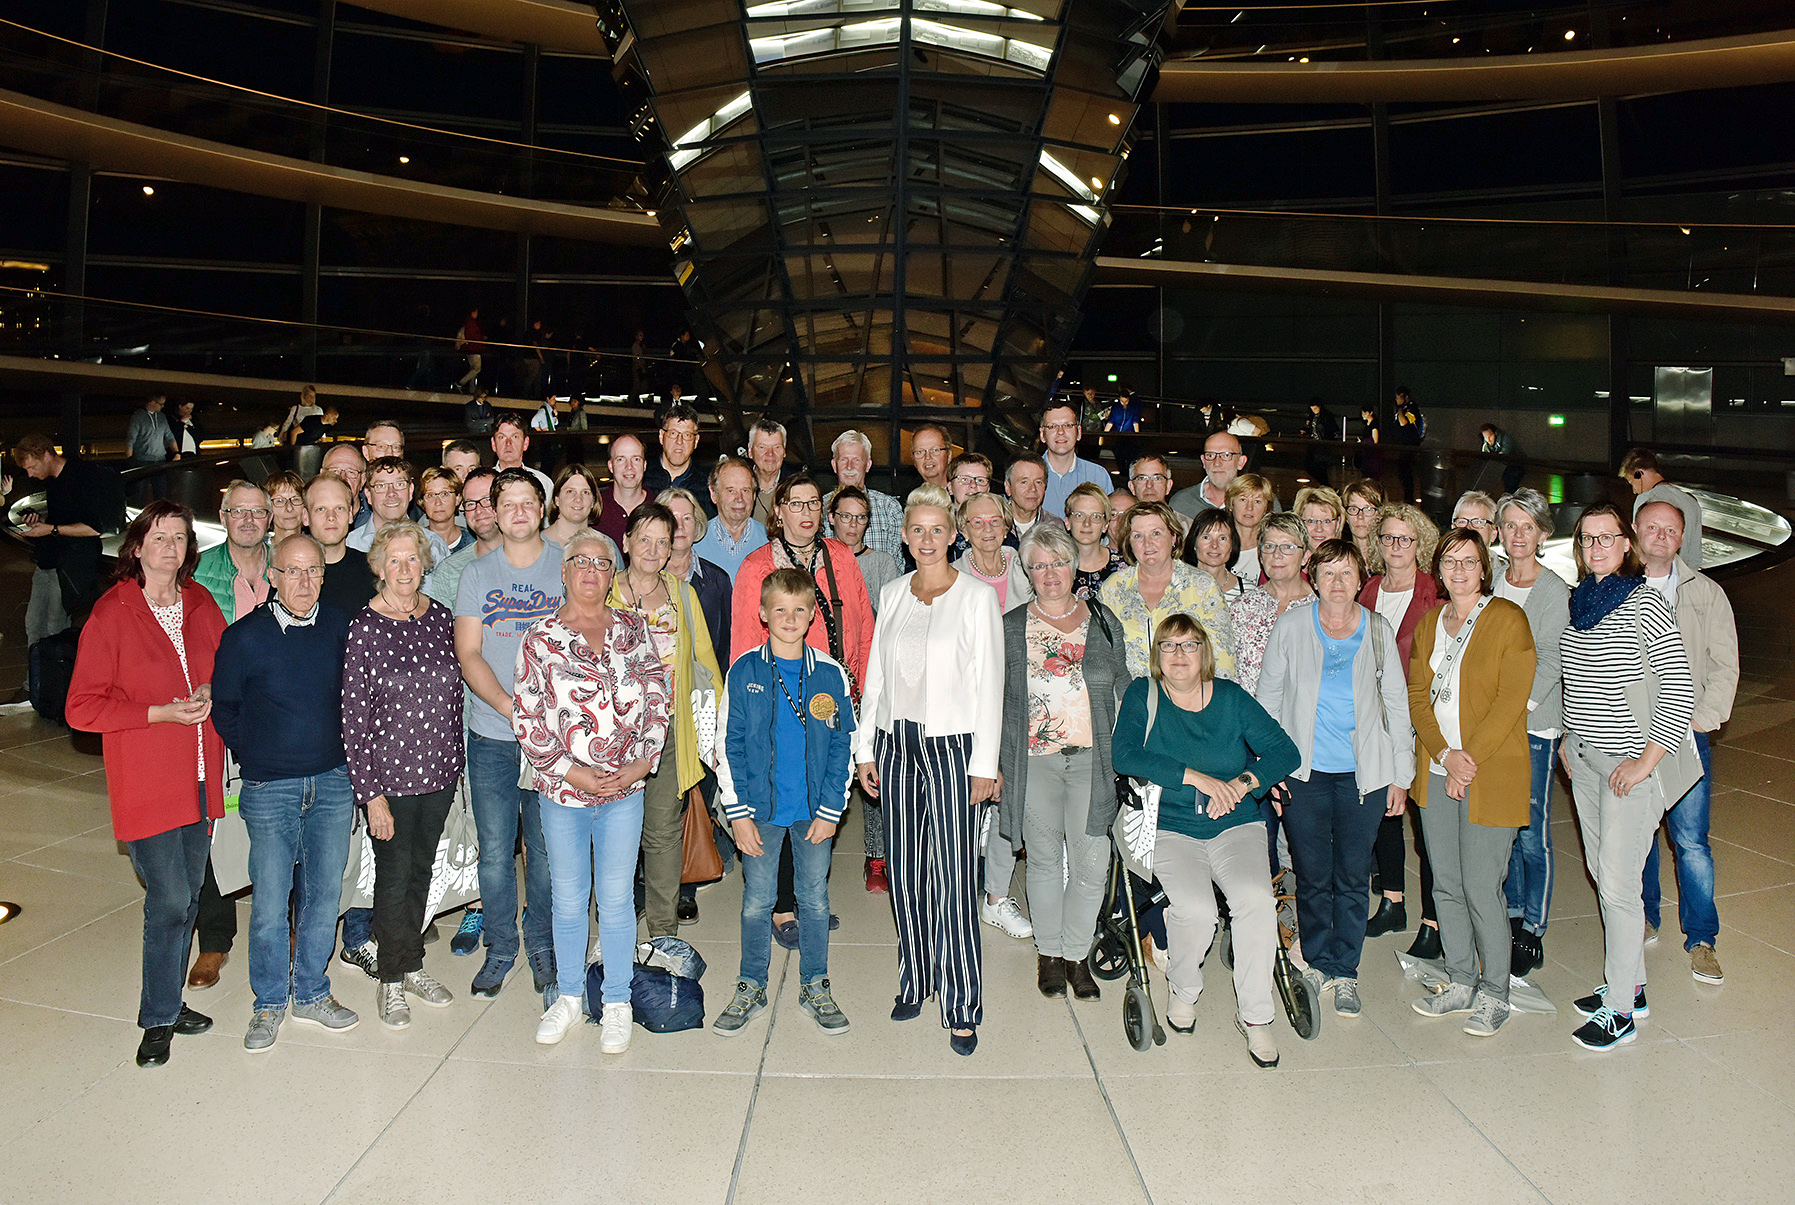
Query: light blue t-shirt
(791, 803)
(1333, 752)
(1061, 485)
(725, 553)
(506, 601)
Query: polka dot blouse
(402, 704)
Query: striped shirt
(1600, 663)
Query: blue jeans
(358, 927)
(308, 821)
(1687, 821)
(499, 804)
(1530, 862)
(1332, 829)
(172, 866)
(760, 884)
(588, 845)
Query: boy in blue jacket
(785, 726)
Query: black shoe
(1427, 942)
(901, 1011)
(1526, 954)
(964, 1043)
(1078, 978)
(687, 911)
(190, 1022)
(1050, 976)
(153, 1050)
(1392, 916)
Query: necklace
(1043, 613)
(410, 612)
(635, 595)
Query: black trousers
(217, 924)
(402, 866)
(1390, 856)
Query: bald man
(1223, 461)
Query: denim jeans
(172, 866)
(595, 845)
(1688, 825)
(499, 806)
(760, 883)
(1332, 829)
(303, 820)
(1530, 862)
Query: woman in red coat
(843, 626)
(143, 680)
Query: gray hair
(852, 437)
(700, 524)
(1287, 522)
(591, 535)
(241, 484)
(1003, 508)
(928, 496)
(1048, 537)
(767, 426)
(399, 529)
(1529, 502)
(1475, 498)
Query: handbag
(700, 862)
(704, 696)
(1137, 816)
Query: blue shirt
(791, 804)
(725, 553)
(1059, 485)
(1333, 752)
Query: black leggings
(1390, 855)
(402, 867)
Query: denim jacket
(746, 724)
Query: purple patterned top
(402, 704)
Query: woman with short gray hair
(1064, 673)
(1524, 519)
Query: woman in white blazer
(931, 715)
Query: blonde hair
(399, 529)
(1427, 536)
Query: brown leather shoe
(1050, 976)
(205, 971)
(1078, 976)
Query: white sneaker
(561, 1016)
(1181, 1015)
(1005, 915)
(1260, 1047)
(614, 1032)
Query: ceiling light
(1304, 59)
(404, 158)
(1570, 35)
(150, 192)
(1096, 183)
(1114, 120)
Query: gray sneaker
(395, 1013)
(326, 1014)
(1346, 997)
(427, 990)
(1487, 1016)
(264, 1027)
(814, 998)
(748, 1001)
(1455, 999)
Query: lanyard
(803, 720)
(1440, 691)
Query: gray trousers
(1066, 867)
(1470, 864)
(44, 615)
(1190, 871)
(1617, 833)
(999, 860)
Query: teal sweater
(1231, 735)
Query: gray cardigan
(1106, 679)
(1548, 614)
(1290, 689)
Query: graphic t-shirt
(506, 601)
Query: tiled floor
(464, 1106)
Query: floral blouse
(1191, 591)
(1086, 582)
(1059, 706)
(1254, 612)
(576, 705)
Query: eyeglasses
(1219, 457)
(991, 523)
(1397, 541)
(1059, 428)
(1360, 512)
(848, 516)
(600, 563)
(1279, 549)
(1085, 516)
(1454, 562)
(1150, 478)
(1187, 647)
(1479, 524)
(1048, 566)
(680, 436)
(438, 495)
(806, 504)
(1606, 539)
(389, 487)
(474, 504)
(301, 572)
(288, 503)
(963, 479)
(1315, 524)
(255, 512)
(380, 450)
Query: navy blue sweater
(277, 697)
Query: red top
(126, 665)
(854, 610)
(1427, 593)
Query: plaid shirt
(884, 527)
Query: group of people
(972, 667)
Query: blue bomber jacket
(746, 721)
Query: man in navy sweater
(277, 700)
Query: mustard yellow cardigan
(692, 646)
(1492, 713)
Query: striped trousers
(932, 860)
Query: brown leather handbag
(701, 862)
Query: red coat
(1427, 593)
(124, 666)
(855, 609)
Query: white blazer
(964, 686)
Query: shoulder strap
(1377, 658)
(1152, 708)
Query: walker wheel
(1108, 959)
(1137, 1017)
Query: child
(784, 725)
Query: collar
(286, 619)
